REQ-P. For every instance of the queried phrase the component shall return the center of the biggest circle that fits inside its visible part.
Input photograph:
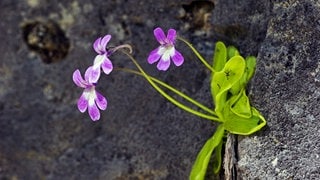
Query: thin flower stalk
(174, 90)
(168, 97)
(196, 53)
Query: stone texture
(286, 90)
(140, 135)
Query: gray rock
(286, 90)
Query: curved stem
(196, 53)
(168, 97)
(114, 49)
(173, 90)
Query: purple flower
(101, 60)
(90, 98)
(166, 50)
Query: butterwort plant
(230, 73)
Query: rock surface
(141, 135)
(286, 89)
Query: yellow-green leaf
(199, 168)
(251, 67)
(220, 56)
(244, 126)
(222, 81)
(217, 159)
(232, 51)
(240, 105)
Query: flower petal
(82, 103)
(171, 36)
(94, 112)
(98, 60)
(78, 80)
(167, 53)
(101, 101)
(87, 73)
(160, 36)
(154, 56)
(96, 45)
(177, 58)
(94, 75)
(163, 65)
(107, 66)
(105, 40)
(100, 44)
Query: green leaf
(217, 160)
(240, 105)
(222, 81)
(239, 85)
(232, 51)
(244, 126)
(251, 67)
(199, 168)
(248, 73)
(220, 56)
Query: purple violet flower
(166, 50)
(90, 98)
(101, 60)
